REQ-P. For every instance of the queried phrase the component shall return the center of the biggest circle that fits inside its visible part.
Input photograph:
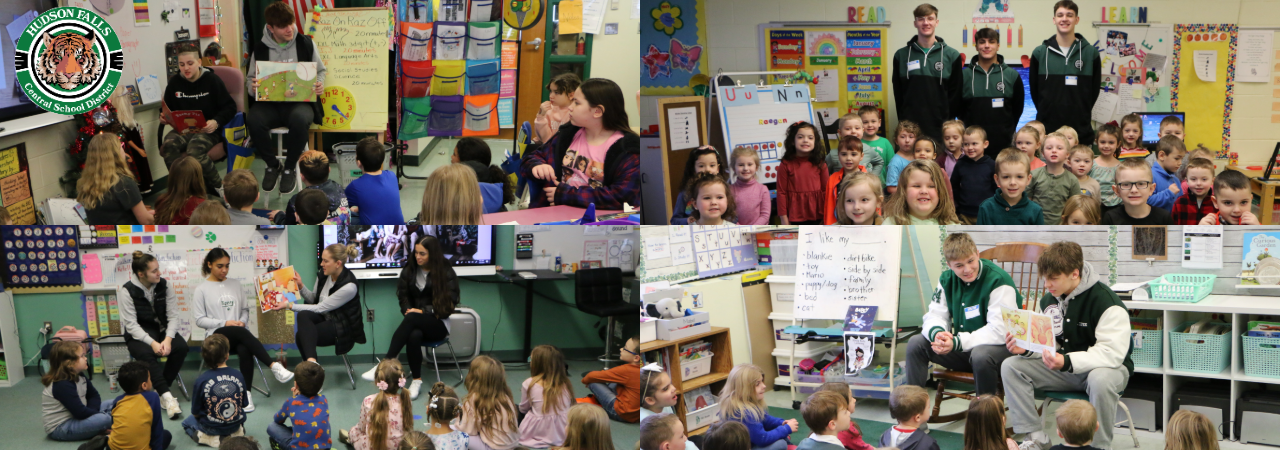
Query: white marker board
(843, 266)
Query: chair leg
(183, 385)
(266, 392)
(350, 374)
(1129, 418)
(1044, 411)
(435, 362)
(608, 346)
(461, 374)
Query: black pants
(160, 377)
(264, 116)
(314, 331)
(415, 330)
(247, 346)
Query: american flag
(302, 8)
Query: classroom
(787, 103)
(344, 317)
(1164, 330)
(473, 90)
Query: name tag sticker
(997, 103)
(913, 65)
(971, 312)
(1071, 80)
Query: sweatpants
(983, 361)
(263, 116)
(1022, 376)
(246, 346)
(414, 330)
(197, 145)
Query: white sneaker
(414, 387)
(249, 399)
(282, 374)
(170, 405)
(209, 440)
(368, 376)
(1031, 444)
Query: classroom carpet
(23, 428)
(871, 430)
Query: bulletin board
(617, 245)
(15, 185)
(758, 117)
(40, 258)
(1207, 104)
(1135, 68)
(682, 126)
(353, 43)
(673, 36)
(853, 57)
(671, 253)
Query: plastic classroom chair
(435, 361)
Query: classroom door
(529, 84)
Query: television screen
(468, 247)
(1151, 125)
(1028, 106)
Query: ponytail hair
(442, 404)
(141, 262)
(340, 252)
(389, 372)
(213, 257)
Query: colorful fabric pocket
(415, 117)
(415, 78)
(481, 115)
(416, 11)
(453, 11)
(446, 116)
(482, 11)
(482, 39)
(415, 41)
(451, 40)
(448, 77)
(483, 77)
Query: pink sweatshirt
(752, 202)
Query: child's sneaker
(282, 374)
(414, 388)
(249, 399)
(170, 405)
(344, 436)
(368, 376)
(209, 440)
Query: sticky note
(92, 267)
(137, 239)
(1275, 106)
(1275, 118)
(150, 228)
(1275, 93)
(138, 229)
(171, 239)
(162, 228)
(122, 229)
(124, 240)
(146, 239)
(1137, 93)
(288, 318)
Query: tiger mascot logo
(68, 60)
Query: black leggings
(314, 331)
(416, 329)
(161, 376)
(245, 345)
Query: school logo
(1000, 86)
(937, 66)
(1055, 314)
(1079, 64)
(68, 60)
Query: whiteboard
(843, 266)
(570, 242)
(762, 126)
(144, 45)
(180, 263)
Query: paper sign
(592, 15)
(1202, 247)
(506, 115)
(1252, 53)
(681, 253)
(1206, 65)
(352, 45)
(657, 248)
(149, 88)
(682, 128)
(860, 349)
(508, 88)
(827, 83)
(732, 96)
(9, 162)
(1105, 107)
(15, 188)
(595, 251)
(92, 268)
(1030, 330)
(571, 17)
(23, 212)
(1154, 61)
(679, 233)
(796, 93)
(510, 55)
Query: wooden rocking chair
(1019, 259)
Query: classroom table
(1265, 190)
(513, 276)
(541, 215)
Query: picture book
(1257, 265)
(181, 121)
(276, 287)
(286, 82)
(1031, 331)
(860, 318)
(1264, 329)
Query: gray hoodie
(129, 316)
(279, 53)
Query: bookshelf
(10, 352)
(721, 364)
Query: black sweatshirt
(926, 85)
(207, 94)
(1065, 84)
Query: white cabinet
(10, 351)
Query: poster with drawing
(1136, 56)
(859, 349)
(1030, 330)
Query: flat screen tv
(384, 249)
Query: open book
(183, 120)
(1031, 331)
(276, 287)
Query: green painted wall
(501, 306)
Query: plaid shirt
(1185, 211)
(621, 184)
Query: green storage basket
(1261, 356)
(4, 372)
(1204, 353)
(1180, 287)
(1151, 355)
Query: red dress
(802, 190)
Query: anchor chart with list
(843, 266)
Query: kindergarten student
(904, 139)
(924, 148)
(750, 198)
(922, 200)
(443, 408)
(927, 76)
(662, 431)
(953, 141)
(588, 429)
(1010, 206)
(1104, 166)
(618, 389)
(1080, 163)
(386, 416)
(1073, 139)
(851, 437)
(993, 103)
(705, 159)
(1052, 184)
(495, 185)
(984, 427)
(218, 400)
(185, 192)
(859, 200)
(742, 400)
(314, 167)
(1169, 153)
(377, 189)
(1077, 422)
(713, 200)
(240, 189)
(1133, 185)
(1066, 75)
(488, 413)
(909, 405)
(1081, 210)
(1190, 430)
(826, 414)
(850, 161)
(1232, 198)
(851, 125)
(312, 430)
(545, 398)
(210, 213)
(1029, 140)
(555, 112)
(1131, 138)
(871, 122)
(1197, 201)
(135, 417)
(311, 207)
(975, 177)
(72, 409)
(1199, 152)
(802, 181)
(452, 197)
(415, 440)
(727, 435)
(657, 393)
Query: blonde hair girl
(1190, 430)
(588, 429)
(488, 412)
(1029, 140)
(452, 197)
(742, 400)
(385, 417)
(859, 196)
(545, 399)
(104, 169)
(1081, 210)
(921, 179)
